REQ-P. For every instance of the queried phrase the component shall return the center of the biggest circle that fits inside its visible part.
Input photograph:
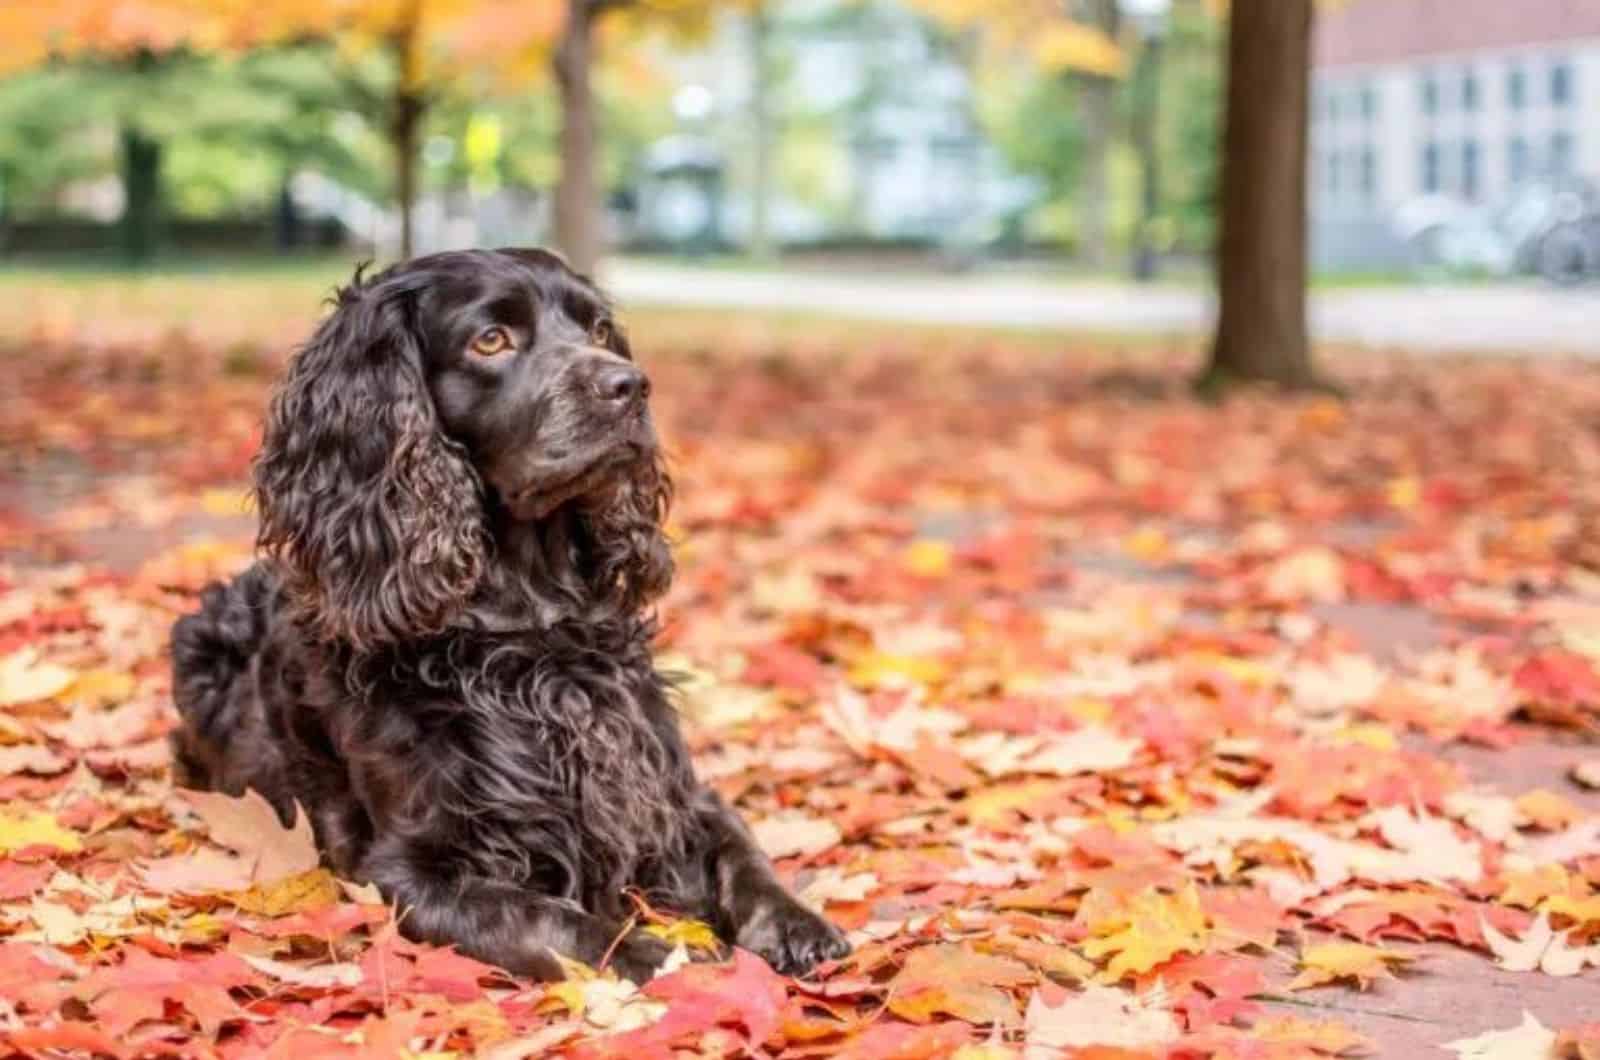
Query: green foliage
(1190, 133)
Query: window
(1561, 83)
(1469, 91)
(1430, 94)
(1517, 88)
(1469, 168)
(1518, 160)
(1369, 174)
(1561, 155)
(1333, 107)
(1430, 168)
(1369, 102)
(1333, 174)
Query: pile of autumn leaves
(1057, 726)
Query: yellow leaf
(1527, 889)
(100, 688)
(1149, 544)
(1548, 811)
(695, 934)
(1080, 49)
(1582, 910)
(930, 559)
(1330, 961)
(1152, 929)
(882, 670)
(35, 830)
(307, 891)
(1404, 493)
(225, 502)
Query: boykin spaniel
(444, 652)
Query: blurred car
(1540, 230)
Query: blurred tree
(1261, 252)
(1097, 98)
(1077, 44)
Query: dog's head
(447, 403)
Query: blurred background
(818, 145)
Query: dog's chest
(568, 768)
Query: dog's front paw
(638, 956)
(791, 937)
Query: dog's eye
(600, 333)
(491, 341)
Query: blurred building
(1427, 112)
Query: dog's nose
(622, 384)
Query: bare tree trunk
(405, 121)
(141, 189)
(761, 118)
(406, 126)
(1098, 102)
(1261, 253)
(577, 207)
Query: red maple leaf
(139, 989)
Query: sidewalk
(1522, 319)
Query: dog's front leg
(751, 907)
(501, 923)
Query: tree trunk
(1098, 102)
(577, 206)
(404, 132)
(1261, 252)
(141, 189)
(405, 120)
(761, 119)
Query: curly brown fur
(444, 653)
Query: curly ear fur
(374, 514)
(632, 558)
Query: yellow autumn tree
(1083, 41)
(431, 45)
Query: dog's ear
(375, 515)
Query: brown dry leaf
(1331, 961)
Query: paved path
(1466, 319)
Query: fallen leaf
(1331, 961)
(953, 980)
(795, 835)
(35, 830)
(317, 976)
(1153, 928)
(1530, 1040)
(1099, 1015)
(27, 678)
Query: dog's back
(213, 652)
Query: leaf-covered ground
(1109, 723)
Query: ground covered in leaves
(1110, 724)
